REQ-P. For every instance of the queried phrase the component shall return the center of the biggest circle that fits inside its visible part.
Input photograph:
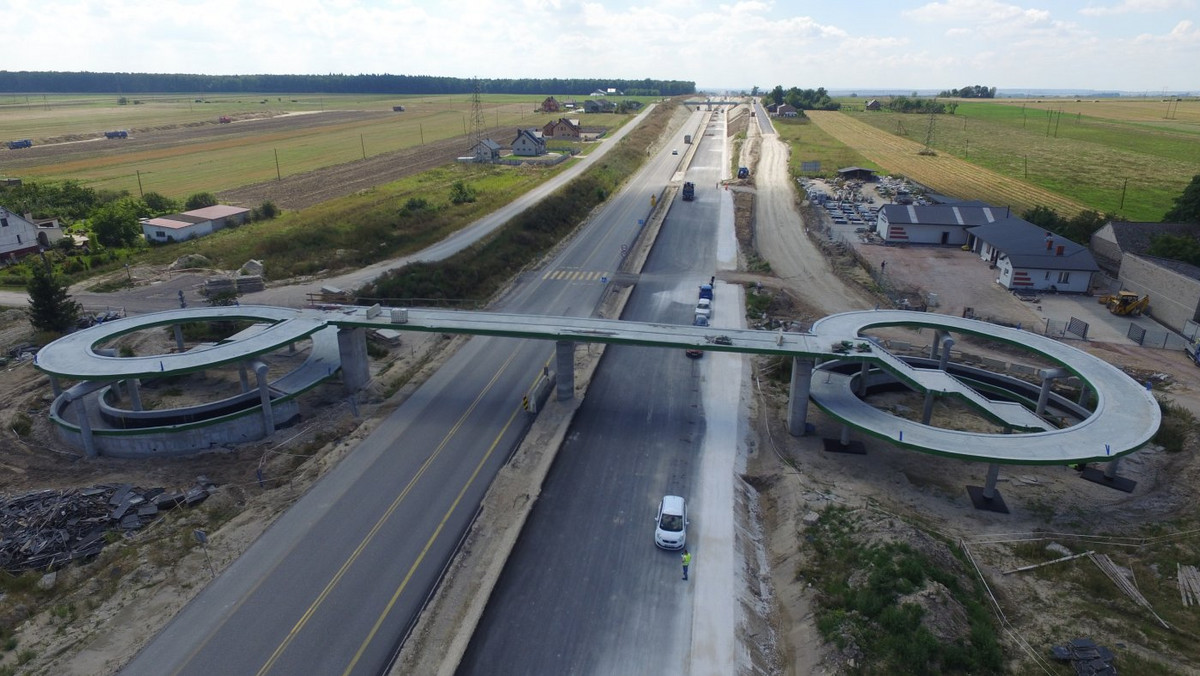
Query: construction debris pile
(45, 530)
(1086, 657)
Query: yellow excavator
(1125, 303)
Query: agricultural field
(1131, 158)
(177, 146)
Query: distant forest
(128, 83)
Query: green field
(212, 164)
(1126, 158)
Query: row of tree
(800, 99)
(904, 104)
(971, 92)
(103, 83)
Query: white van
(670, 525)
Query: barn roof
(1136, 237)
(966, 215)
(1025, 244)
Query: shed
(858, 173)
(486, 150)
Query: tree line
(970, 92)
(800, 99)
(105, 83)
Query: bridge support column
(178, 328)
(987, 498)
(862, 378)
(1048, 378)
(245, 380)
(55, 386)
(927, 412)
(938, 337)
(135, 392)
(352, 349)
(1109, 477)
(85, 428)
(798, 396)
(264, 396)
(1083, 395)
(947, 343)
(564, 365)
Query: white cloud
(1138, 7)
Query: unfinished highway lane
(334, 585)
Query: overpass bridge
(835, 364)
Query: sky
(1139, 46)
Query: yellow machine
(1125, 303)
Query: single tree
(50, 306)
(461, 193)
(1187, 205)
(116, 223)
(200, 200)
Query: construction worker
(686, 558)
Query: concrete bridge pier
(798, 395)
(264, 396)
(352, 349)
(564, 365)
(1048, 378)
(863, 373)
(938, 337)
(135, 393)
(178, 329)
(986, 497)
(243, 377)
(1108, 477)
(85, 428)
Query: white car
(670, 526)
(704, 308)
(674, 151)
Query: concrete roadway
(333, 586)
(585, 591)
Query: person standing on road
(686, 558)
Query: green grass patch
(811, 144)
(861, 587)
(1134, 168)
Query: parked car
(670, 525)
(674, 151)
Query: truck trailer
(23, 143)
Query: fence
(1156, 338)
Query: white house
(21, 235)
(529, 143)
(193, 224)
(1027, 257)
(934, 224)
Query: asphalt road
(334, 584)
(586, 591)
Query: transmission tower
(477, 128)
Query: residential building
(192, 224)
(1026, 257)
(529, 143)
(486, 150)
(562, 128)
(550, 105)
(22, 235)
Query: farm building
(550, 105)
(857, 173)
(22, 235)
(785, 110)
(1026, 257)
(1173, 287)
(1115, 239)
(486, 150)
(562, 128)
(933, 224)
(873, 104)
(193, 224)
(529, 143)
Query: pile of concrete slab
(1088, 658)
(45, 530)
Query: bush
(461, 193)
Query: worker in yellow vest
(686, 557)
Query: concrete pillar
(947, 343)
(85, 428)
(938, 337)
(564, 364)
(178, 336)
(264, 396)
(927, 412)
(1048, 377)
(292, 347)
(989, 487)
(1083, 395)
(862, 378)
(1110, 472)
(116, 388)
(55, 386)
(242, 377)
(352, 348)
(845, 440)
(798, 395)
(135, 393)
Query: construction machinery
(1125, 303)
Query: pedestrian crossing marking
(565, 275)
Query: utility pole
(364, 146)
(1123, 187)
(139, 177)
(278, 176)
